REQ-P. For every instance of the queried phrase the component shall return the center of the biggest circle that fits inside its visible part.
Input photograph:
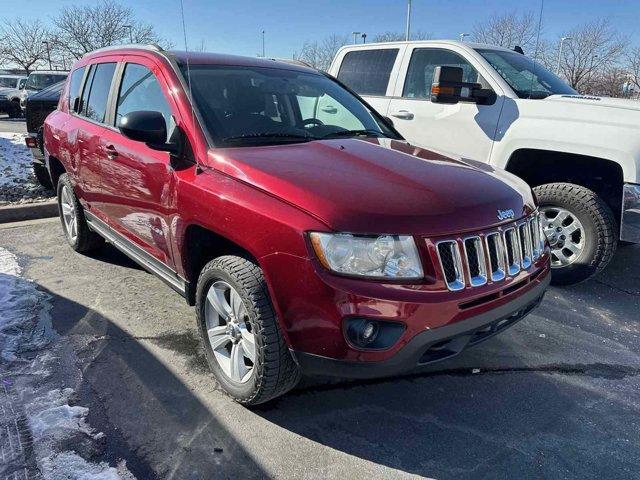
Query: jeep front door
(137, 181)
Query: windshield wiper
(355, 133)
(278, 135)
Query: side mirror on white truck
(580, 154)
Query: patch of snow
(71, 466)
(54, 422)
(17, 181)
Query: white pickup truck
(581, 154)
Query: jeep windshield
(527, 78)
(249, 106)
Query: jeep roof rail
(150, 46)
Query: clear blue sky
(235, 26)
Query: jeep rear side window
(96, 106)
(140, 90)
(423, 65)
(74, 86)
(367, 72)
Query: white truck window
(367, 72)
(422, 67)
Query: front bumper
(630, 222)
(431, 345)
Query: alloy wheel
(565, 234)
(69, 213)
(229, 332)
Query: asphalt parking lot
(556, 396)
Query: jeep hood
(378, 185)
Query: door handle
(402, 114)
(111, 152)
(329, 109)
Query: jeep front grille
(494, 256)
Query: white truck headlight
(384, 256)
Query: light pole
(562, 40)
(262, 43)
(48, 53)
(130, 32)
(462, 35)
(355, 36)
(364, 38)
(407, 35)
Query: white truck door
(370, 72)
(465, 129)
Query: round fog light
(369, 332)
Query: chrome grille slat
(495, 249)
(524, 241)
(474, 253)
(512, 250)
(451, 263)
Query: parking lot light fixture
(46, 44)
(562, 40)
(462, 35)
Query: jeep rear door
(371, 73)
(466, 128)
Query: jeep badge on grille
(505, 214)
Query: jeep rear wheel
(580, 228)
(240, 332)
(74, 224)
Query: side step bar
(138, 255)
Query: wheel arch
(538, 167)
(56, 169)
(199, 246)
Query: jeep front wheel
(580, 228)
(240, 332)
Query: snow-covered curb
(27, 364)
(17, 181)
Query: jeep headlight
(384, 256)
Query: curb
(28, 211)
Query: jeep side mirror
(447, 85)
(148, 127)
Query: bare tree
(21, 42)
(508, 30)
(320, 54)
(633, 67)
(83, 28)
(399, 36)
(592, 49)
(613, 82)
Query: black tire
(274, 371)
(14, 111)
(86, 240)
(42, 175)
(599, 226)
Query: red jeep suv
(311, 238)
